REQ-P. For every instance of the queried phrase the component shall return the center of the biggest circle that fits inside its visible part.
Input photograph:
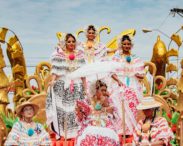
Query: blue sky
(37, 21)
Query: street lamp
(151, 30)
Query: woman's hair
(91, 27)
(68, 36)
(99, 84)
(126, 37)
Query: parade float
(165, 89)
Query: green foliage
(173, 142)
(172, 119)
(164, 93)
(45, 126)
(144, 92)
(164, 114)
(175, 117)
(156, 91)
(28, 93)
(9, 121)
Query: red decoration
(174, 127)
(33, 87)
(85, 108)
(169, 115)
(160, 86)
(71, 56)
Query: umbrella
(96, 69)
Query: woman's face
(70, 44)
(102, 91)
(28, 111)
(91, 34)
(126, 45)
(148, 112)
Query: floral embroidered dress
(60, 104)
(130, 92)
(131, 65)
(97, 129)
(119, 93)
(160, 130)
(19, 135)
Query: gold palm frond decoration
(3, 32)
(101, 29)
(172, 52)
(12, 40)
(171, 67)
(79, 32)
(177, 39)
(59, 35)
(171, 81)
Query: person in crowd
(94, 50)
(153, 130)
(97, 117)
(63, 92)
(27, 132)
(132, 69)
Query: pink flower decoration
(72, 86)
(131, 105)
(71, 56)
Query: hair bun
(99, 84)
(126, 37)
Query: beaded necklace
(29, 127)
(128, 57)
(97, 104)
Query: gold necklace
(90, 53)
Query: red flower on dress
(131, 105)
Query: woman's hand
(79, 113)
(50, 128)
(139, 76)
(53, 79)
(115, 77)
(110, 110)
(84, 84)
(119, 83)
(107, 94)
(51, 83)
